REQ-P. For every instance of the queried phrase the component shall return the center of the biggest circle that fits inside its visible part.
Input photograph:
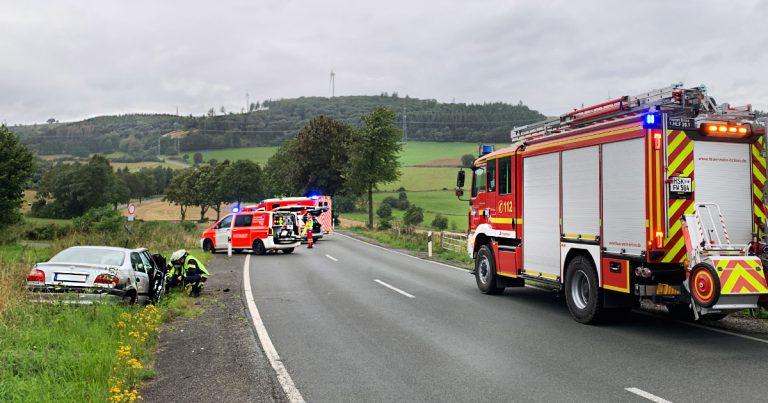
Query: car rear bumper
(74, 295)
(293, 244)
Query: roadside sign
(131, 212)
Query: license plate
(680, 185)
(72, 278)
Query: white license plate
(680, 185)
(72, 278)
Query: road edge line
(404, 254)
(291, 392)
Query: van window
(478, 181)
(243, 220)
(505, 167)
(491, 176)
(226, 222)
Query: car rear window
(107, 257)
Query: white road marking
(393, 288)
(647, 395)
(291, 392)
(404, 254)
(714, 329)
(332, 258)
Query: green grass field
(256, 154)
(433, 202)
(420, 152)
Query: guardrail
(454, 241)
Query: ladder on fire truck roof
(673, 96)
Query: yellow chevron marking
(674, 165)
(672, 252)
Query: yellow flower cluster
(134, 330)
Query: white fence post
(429, 243)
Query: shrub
(413, 216)
(384, 211)
(440, 222)
(344, 203)
(102, 219)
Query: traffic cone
(310, 241)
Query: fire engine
(321, 207)
(258, 231)
(657, 196)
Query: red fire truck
(258, 231)
(321, 207)
(657, 196)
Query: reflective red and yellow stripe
(758, 184)
(654, 190)
(741, 276)
(679, 163)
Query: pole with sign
(131, 212)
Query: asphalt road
(354, 322)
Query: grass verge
(415, 243)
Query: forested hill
(271, 123)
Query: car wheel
(287, 251)
(581, 291)
(208, 246)
(130, 298)
(485, 272)
(258, 247)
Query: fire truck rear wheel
(485, 272)
(258, 247)
(581, 291)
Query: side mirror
(460, 176)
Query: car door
(241, 234)
(222, 232)
(141, 278)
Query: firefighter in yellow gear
(187, 270)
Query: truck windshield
(478, 181)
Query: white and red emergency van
(656, 196)
(321, 207)
(258, 231)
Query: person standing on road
(187, 270)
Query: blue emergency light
(236, 208)
(486, 149)
(652, 121)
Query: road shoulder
(214, 356)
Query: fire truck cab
(258, 231)
(320, 207)
(657, 196)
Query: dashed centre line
(647, 395)
(332, 258)
(393, 288)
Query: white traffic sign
(131, 211)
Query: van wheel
(258, 247)
(208, 246)
(288, 251)
(581, 291)
(485, 272)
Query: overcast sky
(75, 59)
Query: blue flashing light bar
(652, 121)
(486, 149)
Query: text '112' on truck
(656, 196)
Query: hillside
(270, 123)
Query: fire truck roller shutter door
(541, 215)
(581, 192)
(624, 197)
(723, 176)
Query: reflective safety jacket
(191, 266)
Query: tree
(16, 165)
(51, 121)
(413, 216)
(321, 148)
(185, 157)
(467, 160)
(385, 216)
(241, 181)
(218, 192)
(278, 177)
(197, 158)
(178, 193)
(374, 154)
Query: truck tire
(485, 272)
(581, 291)
(258, 247)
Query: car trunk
(70, 275)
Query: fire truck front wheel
(485, 272)
(581, 290)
